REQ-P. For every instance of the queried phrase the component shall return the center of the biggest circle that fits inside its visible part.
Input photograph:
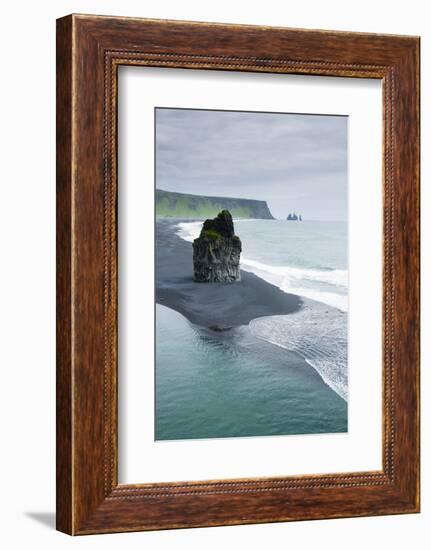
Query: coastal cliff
(182, 205)
(216, 251)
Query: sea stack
(216, 251)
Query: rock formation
(294, 217)
(216, 251)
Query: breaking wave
(324, 286)
(316, 333)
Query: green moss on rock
(210, 234)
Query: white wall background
(27, 262)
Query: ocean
(250, 382)
(307, 258)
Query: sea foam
(316, 333)
(293, 279)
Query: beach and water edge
(228, 363)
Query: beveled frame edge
(89, 499)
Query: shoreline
(223, 309)
(225, 316)
(218, 306)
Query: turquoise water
(232, 385)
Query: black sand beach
(214, 305)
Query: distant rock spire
(294, 217)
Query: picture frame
(89, 51)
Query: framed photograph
(237, 274)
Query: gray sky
(294, 162)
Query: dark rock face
(222, 224)
(294, 217)
(216, 251)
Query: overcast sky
(297, 163)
